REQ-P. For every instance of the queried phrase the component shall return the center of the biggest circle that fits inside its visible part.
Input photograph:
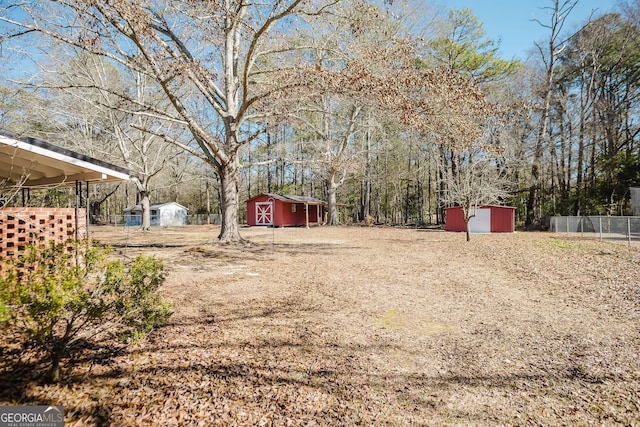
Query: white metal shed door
(481, 223)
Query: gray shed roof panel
(295, 199)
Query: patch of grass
(433, 328)
(393, 319)
(560, 244)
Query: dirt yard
(369, 326)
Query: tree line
(389, 112)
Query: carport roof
(31, 162)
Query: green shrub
(55, 298)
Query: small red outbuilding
(487, 219)
(284, 210)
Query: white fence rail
(613, 228)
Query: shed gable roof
(483, 206)
(156, 206)
(290, 198)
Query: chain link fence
(620, 229)
(136, 220)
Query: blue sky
(510, 20)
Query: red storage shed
(487, 219)
(284, 210)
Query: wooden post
(306, 214)
(273, 219)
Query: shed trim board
(280, 210)
(488, 219)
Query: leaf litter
(365, 326)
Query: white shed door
(481, 223)
(264, 213)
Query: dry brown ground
(370, 326)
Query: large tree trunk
(560, 12)
(532, 201)
(143, 196)
(146, 211)
(228, 173)
(577, 209)
(332, 188)
(442, 186)
(366, 199)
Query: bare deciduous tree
(481, 178)
(88, 115)
(362, 62)
(210, 59)
(549, 56)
